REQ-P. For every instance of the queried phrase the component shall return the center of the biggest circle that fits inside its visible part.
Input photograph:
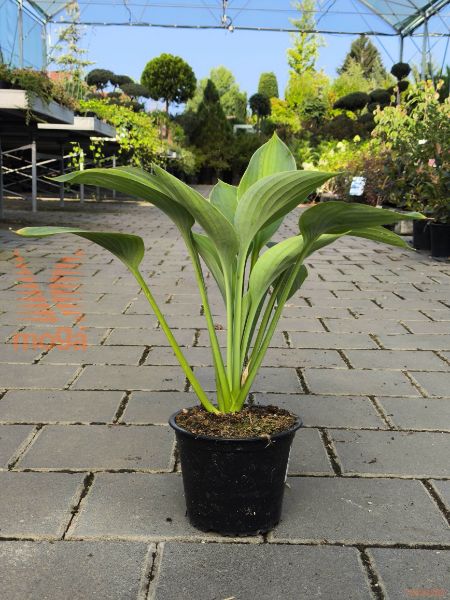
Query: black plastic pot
(440, 240)
(421, 235)
(4, 85)
(234, 486)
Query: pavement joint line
(24, 446)
(331, 452)
(422, 391)
(405, 326)
(322, 322)
(154, 574)
(106, 335)
(145, 353)
(433, 492)
(87, 483)
(382, 413)
(439, 355)
(372, 576)
(121, 408)
(287, 339)
(74, 377)
(375, 339)
(345, 359)
(302, 381)
(148, 572)
(353, 313)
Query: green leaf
(224, 197)
(341, 217)
(297, 284)
(272, 157)
(272, 198)
(128, 248)
(133, 182)
(208, 253)
(216, 226)
(381, 234)
(271, 265)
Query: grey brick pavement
(91, 501)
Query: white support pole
(114, 166)
(61, 185)
(81, 169)
(33, 177)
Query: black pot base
(234, 487)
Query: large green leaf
(224, 197)
(271, 198)
(133, 182)
(381, 234)
(218, 228)
(271, 265)
(272, 157)
(342, 217)
(297, 284)
(208, 253)
(128, 248)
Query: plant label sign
(357, 186)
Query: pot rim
(211, 438)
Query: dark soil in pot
(421, 235)
(234, 476)
(440, 240)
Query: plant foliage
(236, 223)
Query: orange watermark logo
(63, 302)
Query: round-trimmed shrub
(401, 70)
(353, 102)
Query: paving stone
(427, 327)
(140, 507)
(395, 453)
(359, 382)
(95, 355)
(130, 378)
(156, 407)
(75, 570)
(39, 406)
(308, 454)
(327, 411)
(301, 324)
(363, 326)
(395, 360)
(245, 572)
(148, 337)
(12, 438)
(416, 341)
(18, 353)
(197, 357)
(293, 357)
(100, 447)
(359, 511)
(436, 384)
(443, 488)
(332, 340)
(35, 376)
(37, 505)
(405, 573)
(418, 413)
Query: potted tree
(234, 457)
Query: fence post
(33, 176)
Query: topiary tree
(260, 106)
(119, 80)
(353, 102)
(268, 85)
(380, 97)
(99, 78)
(134, 90)
(400, 70)
(169, 78)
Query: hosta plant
(255, 276)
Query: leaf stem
(176, 348)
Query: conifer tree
(364, 53)
(268, 85)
